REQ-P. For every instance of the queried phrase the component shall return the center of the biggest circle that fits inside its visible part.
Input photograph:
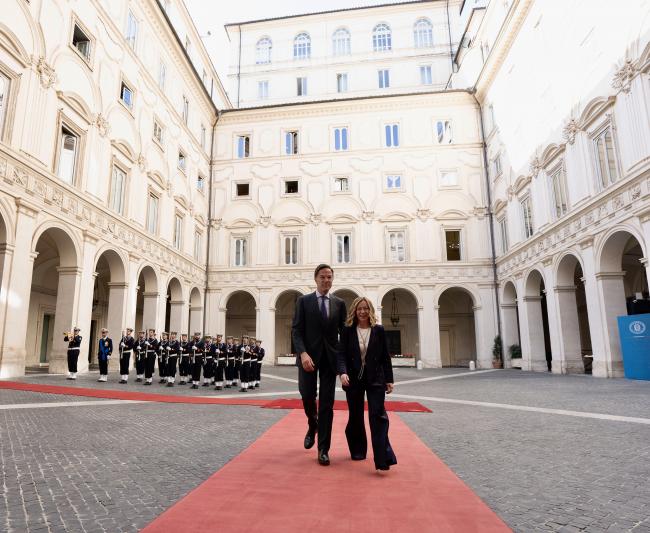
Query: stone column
(85, 306)
(645, 224)
(569, 360)
(150, 314)
(265, 325)
(509, 330)
(177, 309)
(533, 350)
(429, 328)
(132, 293)
(6, 257)
(17, 286)
(196, 321)
(558, 365)
(115, 321)
(485, 328)
(211, 311)
(612, 297)
(65, 319)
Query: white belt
(126, 351)
(75, 348)
(151, 351)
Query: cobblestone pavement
(113, 468)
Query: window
(242, 190)
(291, 142)
(393, 182)
(131, 30)
(392, 135)
(239, 258)
(162, 74)
(188, 45)
(491, 117)
(186, 110)
(290, 249)
(118, 183)
(157, 132)
(198, 238)
(263, 51)
(503, 231)
(126, 95)
(452, 244)
(341, 42)
(423, 33)
(68, 150)
(243, 146)
(342, 83)
(291, 187)
(605, 159)
(302, 46)
(301, 89)
(425, 75)
(381, 38)
(443, 132)
(182, 161)
(203, 136)
(384, 78)
(396, 249)
(263, 89)
(340, 139)
(527, 216)
(81, 42)
(343, 255)
(496, 166)
(559, 193)
(4, 99)
(341, 184)
(448, 178)
(152, 213)
(200, 183)
(178, 231)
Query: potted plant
(497, 353)
(515, 355)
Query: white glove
(122, 345)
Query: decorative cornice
(46, 73)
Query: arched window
(381, 38)
(263, 51)
(341, 42)
(423, 33)
(302, 46)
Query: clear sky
(210, 15)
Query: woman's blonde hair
(352, 313)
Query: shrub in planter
(515, 351)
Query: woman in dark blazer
(364, 366)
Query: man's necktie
(323, 307)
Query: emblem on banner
(637, 327)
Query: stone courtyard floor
(544, 452)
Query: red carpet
(276, 486)
(340, 405)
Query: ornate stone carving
(265, 221)
(103, 127)
(20, 177)
(423, 214)
(624, 75)
(635, 192)
(3, 168)
(46, 73)
(368, 216)
(535, 166)
(570, 131)
(142, 162)
(315, 218)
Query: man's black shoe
(310, 438)
(323, 458)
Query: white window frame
(66, 130)
(117, 201)
(295, 142)
(198, 244)
(503, 233)
(599, 133)
(90, 40)
(200, 183)
(336, 179)
(185, 113)
(126, 85)
(5, 94)
(393, 252)
(284, 192)
(461, 250)
(294, 249)
(240, 142)
(302, 46)
(426, 75)
(162, 75)
(240, 250)
(160, 138)
(382, 37)
(341, 42)
(528, 226)
(301, 86)
(263, 89)
(443, 131)
(148, 221)
(342, 82)
(423, 33)
(558, 191)
(263, 49)
(497, 166)
(339, 236)
(177, 240)
(243, 196)
(383, 78)
(343, 132)
(132, 27)
(392, 131)
(442, 184)
(204, 137)
(390, 180)
(182, 161)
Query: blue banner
(634, 332)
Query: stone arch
(65, 240)
(347, 295)
(457, 325)
(115, 261)
(510, 322)
(284, 309)
(468, 290)
(385, 290)
(174, 305)
(147, 298)
(536, 349)
(241, 313)
(195, 319)
(612, 246)
(399, 312)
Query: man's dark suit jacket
(314, 335)
(379, 369)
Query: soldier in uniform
(140, 356)
(152, 350)
(74, 345)
(238, 358)
(259, 352)
(127, 343)
(162, 356)
(104, 352)
(184, 362)
(220, 364)
(196, 353)
(208, 360)
(174, 352)
(244, 373)
(230, 361)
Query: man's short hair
(320, 267)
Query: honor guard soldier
(208, 360)
(174, 351)
(184, 360)
(230, 361)
(152, 351)
(196, 353)
(244, 373)
(259, 352)
(220, 363)
(104, 352)
(127, 343)
(140, 350)
(238, 357)
(162, 356)
(74, 345)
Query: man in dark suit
(318, 320)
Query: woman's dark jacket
(378, 370)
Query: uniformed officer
(162, 356)
(184, 363)
(220, 367)
(196, 353)
(208, 360)
(259, 352)
(230, 361)
(104, 352)
(127, 343)
(140, 349)
(74, 345)
(238, 357)
(152, 351)
(174, 352)
(244, 373)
